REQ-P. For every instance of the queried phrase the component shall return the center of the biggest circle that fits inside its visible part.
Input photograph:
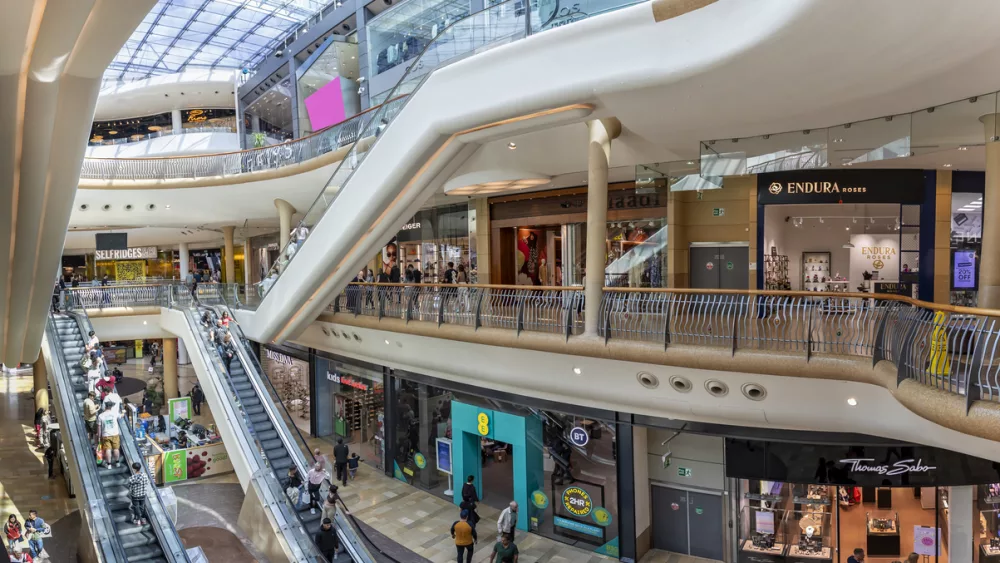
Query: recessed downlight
(852, 401)
(511, 146)
(106, 207)
(577, 371)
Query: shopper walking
(50, 459)
(352, 465)
(138, 483)
(858, 557)
(107, 423)
(341, 453)
(319, 458)
(315, 478)
(12, 531)
(330, 504)
(507, 522)
(34, 527)
(197, 398)
(504, 551)
(470, 498)
(465, 537)
(327, 540)
(228, 351)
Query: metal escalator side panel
(96, 515)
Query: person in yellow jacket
(465, 537)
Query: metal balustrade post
(809, 332)
(974, 391)
(666, 321)
(519, 314)
(905, 350)
(442, 295)
(605, 316)
(380, 294)
(735, 331)
(411, 302)
(479, 308)
(878, 353)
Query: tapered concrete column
(963, 523)
(182, 353)
(602, 132)
(41, 380)
(185, 260)
(989, 258)
(285, 212)
(227, 235)
(170, 368)
(176, 121)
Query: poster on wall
(175, 466)
(963, 269)
(876, 254)
(180, 408)
(390, 259)
(530, 256)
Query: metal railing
(955, 349)
(332, 138)
(146, 294)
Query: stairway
(140, 542)
(278, 456)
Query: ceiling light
(847, 228)
(577, 371)
(820, 219)
(511, 145)
(873, 220)
(852, 401)
(854, 220)
(386, 341)
(963, 148)
(838, 140)
(946, 165)
(848, 245)
(690, 163)
(167, 206)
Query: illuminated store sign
(866, 465)
(841, 186)
(346, 380)
(135, 253)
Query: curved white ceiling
(194, 89)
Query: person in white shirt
(107, 424)
(94, 371)
(115, 399)
(507, 522)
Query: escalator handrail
(103, 532)
(273, 487)
(170, 543)
(245, 357)
(376, 115)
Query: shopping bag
(100, 456)
(150, 369)
(292, 493)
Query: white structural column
(989, 258)
(176, 121)
(285, 212)
(227, 235)
(963, 522)
(602, 132)
(185, 259)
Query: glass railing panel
(958, 126)
(884, 138)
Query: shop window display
(290, 378)
(400, 34)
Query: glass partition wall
(328, 86)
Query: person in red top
(105, 385)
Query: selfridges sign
(136, 253)
(841, 186)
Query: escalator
(257, 435)
(155, 541)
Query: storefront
(288, 369)
(429, 241)
(350, 404)
(847, 231)
(134, 264)
(540, 238)
(559, 462)
(805, 503)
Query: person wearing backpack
(465, 537)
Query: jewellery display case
(883, 535)
(776, 272)
(762, 535)
(810, 538)
(989, 536)
(815, 271)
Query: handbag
(292, 493)
(150, 369)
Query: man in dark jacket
(469, 499)
(327, 540)
(197, 398)
(340, 455)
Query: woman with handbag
(12, 529)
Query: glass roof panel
(207, 34)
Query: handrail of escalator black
(96, 513)
(163, 526)
(216, 359)
(304, 444)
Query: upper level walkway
(877, 364)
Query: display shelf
(776, 272)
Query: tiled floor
(421, 521)
(657, 556)
(24, 483)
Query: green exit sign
(683, 472)
(718, 212)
